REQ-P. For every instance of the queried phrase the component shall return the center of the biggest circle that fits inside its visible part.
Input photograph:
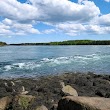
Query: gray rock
(68, 90)
(23, 91)
(84, 103)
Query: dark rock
(9, 89)
(54, 107)
(107, 95)
(99, 93)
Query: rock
(84, 103)
(23, 91)
(4, 102)
(54, 107)
(99, 93)
(13, 84)
(42, 108)
(68, 90)
(22, 102)
(107, 95)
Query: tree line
(2, 43)
(72, 42)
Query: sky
(23, 21)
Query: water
(30, 61)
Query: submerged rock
(84, 103)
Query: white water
(36, 60)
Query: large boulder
(84, 103)
(4, 102)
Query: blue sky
(54, 20)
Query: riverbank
(48, 89)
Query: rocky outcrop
(31, 93)
(4, 102)
(84, 103)
(68, 90)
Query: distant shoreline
(70, 42)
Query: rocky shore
(44, 93)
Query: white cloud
(27, 28)
(70, 28)
(64, 15)
(49, 31)
(107, 0)
(9, 27)
(77, 29)
(104, 20)
(15, 10)
(48, 10)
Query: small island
(3, 43)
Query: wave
(28, 65)
(51, 62)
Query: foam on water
(54, 62)
(42, 60)
(8, 67)
(28, 65)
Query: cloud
(48, 10)
(14, 10)
(71, 29)
(49, 31)
(65, 16)
(9, 27)
(78, 29)
(104, 20)
(107, 0)
(4, 29)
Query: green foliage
(72, 42)
(24, 101)
(2, 43)
(81, 42)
